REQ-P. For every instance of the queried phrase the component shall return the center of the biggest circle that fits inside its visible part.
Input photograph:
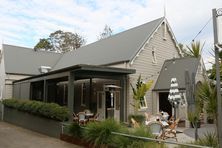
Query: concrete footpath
(16, 137)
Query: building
(98, 76)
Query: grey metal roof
(175, 68)
(21, 60)
(117, 48)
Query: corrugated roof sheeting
(20, 60)
(175, 68)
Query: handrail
(158, 140)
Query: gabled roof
(175, 68)
(117, 48)
(21, 60)
(122, 47)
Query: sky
(24, 22)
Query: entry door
(117, 105)
(101, 105)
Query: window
(83, 94)
(164, 31)
(154, 55)
(143, 103)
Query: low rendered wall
(39, 124)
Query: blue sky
(24, 22)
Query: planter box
(36, 123)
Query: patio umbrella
(174, 96)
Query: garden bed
(74, 140)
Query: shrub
(99, 133)
(48, 110)
(75, 130)
(209, 139)
(139, 118)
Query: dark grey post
(71, 79)
(219, 111)
(45, 89)
(123, 107)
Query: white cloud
(24, 22)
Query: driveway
(16, 137)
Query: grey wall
(21, 90)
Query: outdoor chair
(156, 128)
(87, 111)
(171, 131)
(75, 117)
(82, 118)
(134, 123)
(95, 117)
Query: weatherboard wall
(165, 48)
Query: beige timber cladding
(164, 49)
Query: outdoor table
(89, 115)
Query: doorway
(164, 104)
(108, 104)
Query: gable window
(143, 103)
(154, 55)
(83, 94)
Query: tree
(207, 93)
(192, 51)
(140, 91)
(60, 41)
(43, 44)
(107, 32)
(212, 71)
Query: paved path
(16, 137)
(201, 131)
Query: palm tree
(207, 94)
(193, 51)
(140, 91)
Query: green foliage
(194, 118)
(48, 110)
(207, 93)
(43, 44)
(142, 131)
(193, 51)
(209, 139)
(75, 130)
(140, 91)
(139, 118)
(100, 133)
(60, 41)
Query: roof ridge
(30, 49)
(181, 58)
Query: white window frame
(145, 104)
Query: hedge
(48, 110)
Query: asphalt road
(16, 137)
